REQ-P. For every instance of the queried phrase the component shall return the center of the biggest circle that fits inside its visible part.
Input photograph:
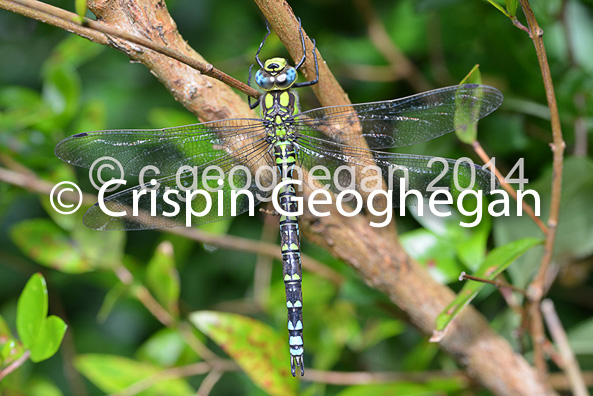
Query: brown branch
(15, 365)
(570, 364)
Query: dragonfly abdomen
(284, 154)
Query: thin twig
(539, 285)
(570, 364)
(186, 331)
(209, 382)
(497, 282)
(144, 296)
(14, 365)
(561, 382)
(177, 372)
(508, 188)
(72, 18)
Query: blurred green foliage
(53, 84)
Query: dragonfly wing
(166, 149)
(402, 122)
(354, 168)
(165, 204)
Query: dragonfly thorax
(278, 110)
(276, 74)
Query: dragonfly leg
(316, 80)
(259, 62)
(256, 103)
(298, 65)
(303, 44)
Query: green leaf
(430, 387)
(574, 233)
(512, 7)
(376, 331)
(420, 357)
(168, 348)
(80, 7)
(5, 332)
(260, 352)
(99, 249)
(164, 117)
(47, 244)
(581, 25)
(61, 92)
(49, 339)
(217, 227)
(10, 348)
(449, 243)
(42, 387)
(112, 374)
(162, 277)
(91, 117)
(496, 262)
(499, 7)
(580, 338)
(112, 296)
(468, 133)
(73, 52)
(41, 335)
(342, 328)
(435, 253)
(66, 222)
(32, 311)
(21, 108)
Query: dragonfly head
(276, 74)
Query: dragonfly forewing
(166, 149)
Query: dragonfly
(214, 157)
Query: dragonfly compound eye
(286, 78)
(264, 80)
